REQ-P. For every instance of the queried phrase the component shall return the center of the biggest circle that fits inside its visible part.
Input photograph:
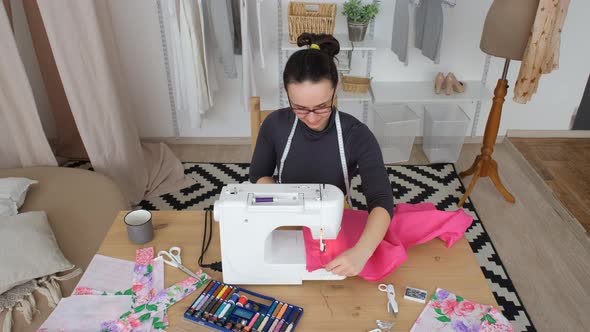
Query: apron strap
(286, 151)
(343, 158)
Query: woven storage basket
(355, 84)
(310, 17)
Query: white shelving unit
(383, 92)
(423, 92)
(368, 46)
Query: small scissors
(391, 303)
(173, 259)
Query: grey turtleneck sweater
(314, 156)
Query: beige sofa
(81, 206)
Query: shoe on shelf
(451, 82)
(439, 83)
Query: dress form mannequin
(506, 32)
(507, 28)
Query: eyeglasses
(320, 110)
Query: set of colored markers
(229, 308)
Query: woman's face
(315, 97)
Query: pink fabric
(412, 224)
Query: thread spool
(221, 321)
(258, 322)
(242, 301)
(228, 325)
(234, 298)
(264, 322)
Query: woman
(303, 141)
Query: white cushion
(15, 189)
(28, 250)
(7, 208)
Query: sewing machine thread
(274, 325)
(282, 311)
(242, 301)
(263, 323)
(258, 321)
(277, 309)
(234, 298)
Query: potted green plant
(358, 17)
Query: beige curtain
(67, 143)
(22, 140)
(83, 44)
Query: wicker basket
(310, 17)
(356, 84)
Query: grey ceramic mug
(139, 226)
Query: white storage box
(395, 128)
(444, 132)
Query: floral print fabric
(148, 312)
(449, 312)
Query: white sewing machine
(253, 251)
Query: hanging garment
(411, 225)
(260, 43)
(429, 28)
(191, 32)
(429, 24)
(541, 55)
(23, 140)
(176, 66)
(401, 29)
(186, 69)
(248, 82)
(449, 312)
(209, 50)
(220, 26)
(236, 18)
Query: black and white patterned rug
(438, 184)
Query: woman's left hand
(349, 263)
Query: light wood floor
(564, 165)
(546, 252)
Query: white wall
(138, 35)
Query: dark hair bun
(327, 43)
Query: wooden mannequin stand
(484, 165)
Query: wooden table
(352, 304)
